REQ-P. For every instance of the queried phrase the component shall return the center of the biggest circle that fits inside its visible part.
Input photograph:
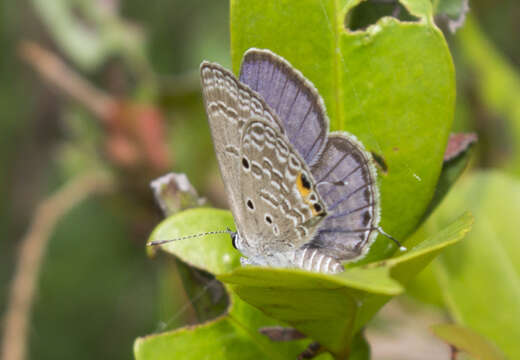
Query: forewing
(278, 192)
(229, 106)
(353, 208)
(294, 99)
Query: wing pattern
(294, 99)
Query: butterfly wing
(229, 106)
(353, 209)
(278, 192)
(294, 99)
(283, 120)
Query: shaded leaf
(456, 160)
(468, 340)
(227, 337)
(371, 88)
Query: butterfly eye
(234, 237)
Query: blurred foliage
(464, 339)
(97, 291)
(478, 280)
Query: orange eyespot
(303, 184)
(304, 187)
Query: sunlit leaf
(330, 309)
(389, 85)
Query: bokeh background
(99, 97)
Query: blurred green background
(96, 289)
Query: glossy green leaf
(469, 341)
(389, 85)
(212, 253)
(479, 278)
(330, 309)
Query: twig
(52, 68)
(33, 245)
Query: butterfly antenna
(382, 232)
(160, 242)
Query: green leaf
(360, 348)
(390, 86)
(480, 277)
(212, 253)
(469, 341)
(331, 309)
(232, 336)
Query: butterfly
(300, 196)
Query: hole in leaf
(380, 162)
(369, 12)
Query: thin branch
(59, 74)
(33, 245)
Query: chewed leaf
(212, 253)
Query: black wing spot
(305, 182)
(245, 163)
(317, 207)
(250, 204)
(268, 219)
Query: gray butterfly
(300, 196)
